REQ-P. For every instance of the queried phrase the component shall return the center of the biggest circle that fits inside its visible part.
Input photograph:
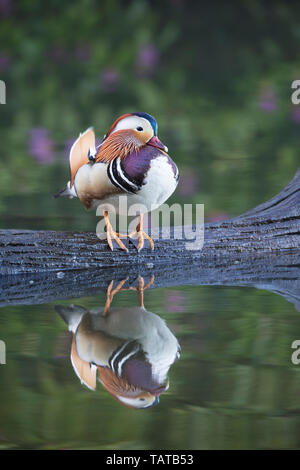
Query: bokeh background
(216, 75)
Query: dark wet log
(258, 247)
(271, 227)
(279, 274)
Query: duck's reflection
(131, 349)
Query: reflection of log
(258, 248)
(280, 274)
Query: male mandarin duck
(130, 349)
(130, 161)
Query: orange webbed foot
(113, 238)
(139, 236)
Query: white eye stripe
(133, 122)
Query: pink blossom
(41, 146)
(295, 114)
(147, 59)
(6, 7)
(110, 78)
(267, 101)
(174, 301)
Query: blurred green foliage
(217, 77)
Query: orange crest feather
(119, 144)
(115, 384)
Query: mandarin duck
(130, 161)
(129, 349)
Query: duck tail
(66, 192)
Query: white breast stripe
(117, 177)
(112, 360)
(121, 174)
(124, 359)
(112, 178)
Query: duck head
(139, 392)
(129, 133)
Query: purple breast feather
(137, 164)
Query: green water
(233, 387)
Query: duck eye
(139, 128)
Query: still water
(172, 368)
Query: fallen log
(260, 247)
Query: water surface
(233, 387)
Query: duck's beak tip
(155, 142)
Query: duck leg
(112, 235)
(111, 293)
(142, 287)
(141, 235)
